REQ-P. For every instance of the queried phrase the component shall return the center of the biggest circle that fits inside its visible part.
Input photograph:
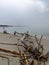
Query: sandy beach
(14, 39)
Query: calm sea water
(37, 31)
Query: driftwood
(24, 57)
(39, 43)
(15, 54)
(23, 60)
(33, 53)
(9, 51)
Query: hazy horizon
(32, 13)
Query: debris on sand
(30, 54)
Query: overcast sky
(25, 12)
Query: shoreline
(44, 36)
(13, 39)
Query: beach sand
(13, 39)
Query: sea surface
(31, 30)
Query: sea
(31, 30)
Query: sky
(32, 13)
